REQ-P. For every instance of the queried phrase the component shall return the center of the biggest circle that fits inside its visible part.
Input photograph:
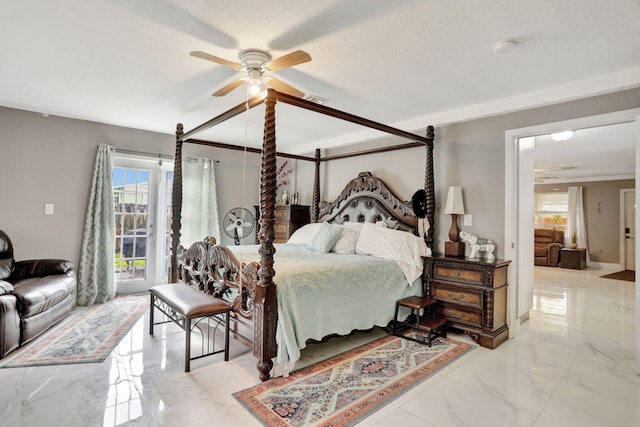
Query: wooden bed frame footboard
(216, 271)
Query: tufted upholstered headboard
(367, 199)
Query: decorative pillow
(304, 234)
(346, 244)
(5, 287)
(404, 248)
(326, 237)
(353, 225)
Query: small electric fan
(238, 223)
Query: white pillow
(326, 236)
(404, 248)
(346, 244)
(354, 225)
(304, 234)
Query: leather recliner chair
(34, 295)
(546, 246)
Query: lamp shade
(454, 204)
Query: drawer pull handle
(459, 297)
(453, 315)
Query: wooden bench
(182, 303)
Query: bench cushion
(188, 301)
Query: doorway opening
(519, 178)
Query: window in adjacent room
(551, 210)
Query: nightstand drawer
(456, 295)
(458, 314)
(281, 214)
(281, 228)
(456, 273)
(288, 218)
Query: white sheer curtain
(96, 275)
(199, 201)
(575, 220)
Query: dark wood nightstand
(573, 258)
(471, 295)
(288, 219)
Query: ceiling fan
(258, 67)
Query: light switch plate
(467, 220)
(48, 208)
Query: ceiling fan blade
(228, 87)
(289, 60)
(284, 87)
(217, 60)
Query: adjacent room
(283, 213)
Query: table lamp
(455, 207)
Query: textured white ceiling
(407, 63)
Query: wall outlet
(48, 208)
(467, 220)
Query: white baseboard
(604, 266)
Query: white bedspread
(326, 293)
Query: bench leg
(151, 310)
(395, 321)
(226, 337)
(187, 344)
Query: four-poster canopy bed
(254, 295)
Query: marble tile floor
(572, 364)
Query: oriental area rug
(346, 388)
(88, 335)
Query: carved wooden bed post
(176, 205)
(429, 187)
(315, 207)
(266, 306)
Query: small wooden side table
(573, 258)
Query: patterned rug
(346, 388)
(87, 336)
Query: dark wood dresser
(288, 219)
(471, 294)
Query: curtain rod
(143, 153)
(160, 156)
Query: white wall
(50, 160)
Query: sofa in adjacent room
(34, 295)
(546, 246)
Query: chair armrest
(39, 268)
(553, 253)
